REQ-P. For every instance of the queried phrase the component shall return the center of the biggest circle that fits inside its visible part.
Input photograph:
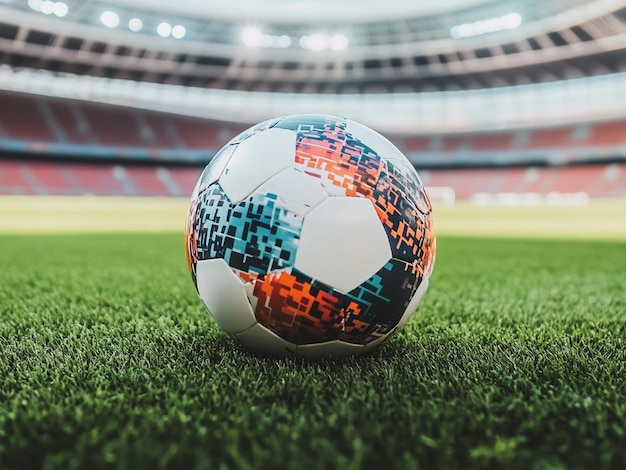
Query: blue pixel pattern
(254, 236)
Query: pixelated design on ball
(325, 151)
(254, 236)
(299, 308)
(293, 279)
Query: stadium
(513, 114)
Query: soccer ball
(310, 235)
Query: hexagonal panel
(343, 243)
(257, 159)
(260, 339)
(328, 349)
(224, 295)
(297, 192)
(377, 142)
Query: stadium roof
(301, 11)
(477, 44)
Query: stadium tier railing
(486, 109)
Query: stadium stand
(72, 126)
(39, 120)
(44, 129)
(107, 113)
(605, 134)
(66, 177)
(25, 120)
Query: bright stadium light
(317, 42)
(338, 42)
(164, 29)
(178, 31)
(283, 42)
(512, 20)
(110, 19)
(490, 25)
(251, 36)
(135, 25)
(35, 4)
(47, 7)
(60, 9)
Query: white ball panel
(343, 243)
(296, 191)
(260, 339)
(330, 348)
(214, 169)
(224, 295)
(257, 159)
(414, 303)
(377, 142)
(249, 288)
(333, 190)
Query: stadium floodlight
(251, 36)
(164, 29)
(35, 4)
(490, 25)
(283, 42)
(178, 31)
(60, 9)
(338, 42)
(110, 19)
(319, 42)
(47, 7)
(316, 42)
(135, 25)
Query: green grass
(516, 359)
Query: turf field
(515, 359)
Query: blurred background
(497, 103)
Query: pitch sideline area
(599, 219)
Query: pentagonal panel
(380, 144)
(328, 349)
(342, 243)
(414, 303)
(257, 159)
(297, 192)
(261, 340)
(224, 295)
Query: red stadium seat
(499, 141)
(69, 118)
(21, 118)
(608, 133)
(556, 137)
